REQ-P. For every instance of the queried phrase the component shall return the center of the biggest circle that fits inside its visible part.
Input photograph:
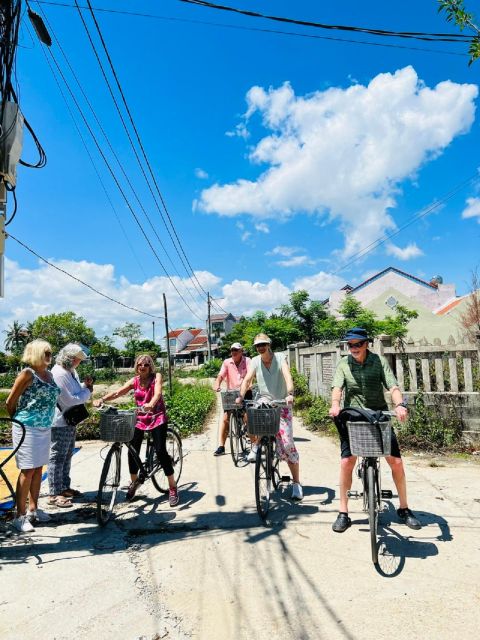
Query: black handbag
(75, 415)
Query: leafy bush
(316, 417)
(303, 397)
(211, 368)
(7, 380)
(429, 430)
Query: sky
(285, 161)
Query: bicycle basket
(228, 400)
(368, 439)
(117, 425)
(263, 421)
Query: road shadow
(395, 547)
(327, 492)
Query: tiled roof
(219, 316)
(448, 307)
(175, 333)
(402, 273)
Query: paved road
(210, 570)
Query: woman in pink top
(147, 388)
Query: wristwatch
(401, 404)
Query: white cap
(236, 345)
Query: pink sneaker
(173, 498)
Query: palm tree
(17, 337)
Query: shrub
(303, 397)
(316, 417)
(211, 368)
(7, 380)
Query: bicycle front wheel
(263, 478)
(238, 437)
(372, 511)
(174, 450)
(109, 485)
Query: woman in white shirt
(73, 393)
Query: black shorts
(345, 441)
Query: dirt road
(210, 570)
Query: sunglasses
(355, 345)
(48, 353)
(261, 344)
(234, 350)
(143, 364)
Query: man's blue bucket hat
(357, 333)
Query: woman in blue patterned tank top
(32, 401)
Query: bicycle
(370, 441)
(263, 421)
(118, 426)
(9, 456)
(237, 426)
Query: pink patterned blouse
(143, 395)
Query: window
(391, 302)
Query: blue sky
(280, 158)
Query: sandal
(71, 493)
(60, 501)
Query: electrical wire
(114, 177)
(85, 284)
(140, 143)
(415, 35)
(254, 29)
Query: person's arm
(72, 391)
(128, 386)
(338, 383)
(397, 399)
(157, 393)
(221, 377)
(23, 380)
(246, 382)
(288, 381)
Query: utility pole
(209, 339)
(168, 346)
(153, 330)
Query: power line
(415, 35)
(112, 173)
(137, 135)
(254, 29)
(85, 284)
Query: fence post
(382, 342)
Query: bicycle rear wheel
(372, 511)
(263, 478)
(109, 484)
(238, 437)
(174, 450)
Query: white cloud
(43, 290)
(344, 152)
(472, 210)
(295, 261)
(320, 285)
(262, 227)
(246, 235)
(283, 251)
(407, 253)
(200, 173)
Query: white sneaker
(297, 491)
(39, 515)
(23, 524)
(252, 456)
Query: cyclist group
(361, 377)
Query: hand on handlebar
(334, 410)
(289, 399)
(401, 413)
(97, 403)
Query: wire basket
(368, 439)
(263, 421)
(228, 400)
(117, 425)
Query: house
(221, 324)
(178, 339)
(436, 303)
(190, 346)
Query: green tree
(105, 347)
(455, 12)
(305, 313)
(397, 325)
(60, 328)
(131, 333)
(17, 337)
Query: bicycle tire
(276, 478)
(372, 511)
(175, 451)
(263, 479)
(109, 485)
(238, 437)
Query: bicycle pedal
(285, 478)
(354, 494)
(386, 493)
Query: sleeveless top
(271, 383)
(143, 395)
(36, 405)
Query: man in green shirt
(363, 376)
